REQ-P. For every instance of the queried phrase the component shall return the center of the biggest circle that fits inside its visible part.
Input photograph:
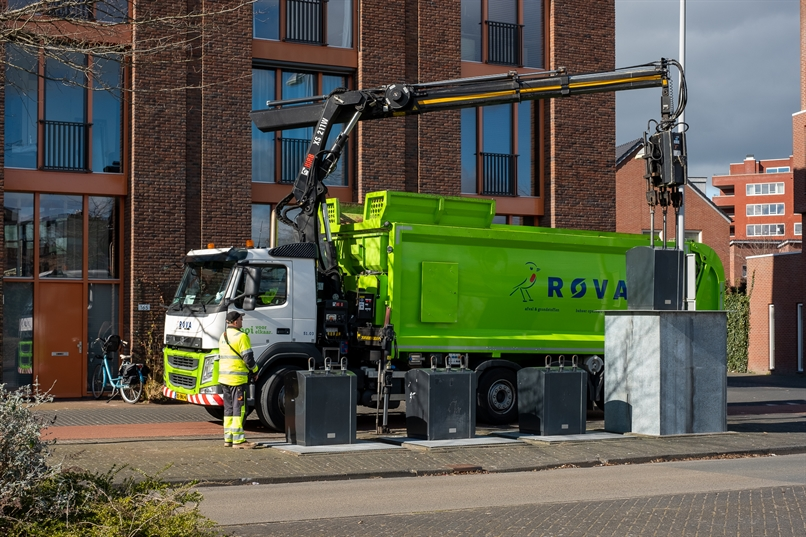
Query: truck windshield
(203, 285)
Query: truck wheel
(271, 398)
(497, 397)
(216, 412)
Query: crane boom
(409, 99)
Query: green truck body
(457, 283)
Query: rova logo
(579, 288)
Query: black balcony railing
(72, 9)
(66, 146)
(503, 43)
(293, 151)
(305, 21)
(499, 174)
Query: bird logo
(527, 283)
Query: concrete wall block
(670, 372)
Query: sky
(742, 70)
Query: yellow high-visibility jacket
(236, 359)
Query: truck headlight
(209, 366)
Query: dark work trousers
(234, 413)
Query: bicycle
(130, 376)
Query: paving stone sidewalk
(181, 443)
(208, 461)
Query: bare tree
(82, 35)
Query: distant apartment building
(758, 196)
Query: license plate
(182, 396)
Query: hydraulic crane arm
(409, 99)
(351, 106)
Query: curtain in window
(262, 142)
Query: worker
(236, 365)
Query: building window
(781, 169)
(503, 32)
(72, 140)
(765, 230)
(19, 234)
(111, 11)
(799, 228)
(278, 156)
(496, 150)
(315, 22)
(262, 230)
(764, 189)
(765, 209)
(261, 225)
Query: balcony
(499, 173)
(65, 146)
(503, 43)
(305, 21)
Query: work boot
(246, 445)
(227, 444)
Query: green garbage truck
(418, 280)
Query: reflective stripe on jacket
(234, 370)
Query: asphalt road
(753, 496)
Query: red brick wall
(190, 179)
(155, 216)
(632, 211)
(777, 280)
(384, 58)
(226, 140)
(580, 185)
(439, 56)
(799, 160)
(415, 41)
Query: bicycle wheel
(132, 389)
(98, 381)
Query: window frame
(271, 192)
(520, 15)
(516, 146)
(778, 227)
(779, 187)
(758, 209)
(283, 24)
(87, 87)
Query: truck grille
(182, 380)
(183, 362)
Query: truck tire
(497, 397)
(271, 398)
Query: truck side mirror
(251, 286)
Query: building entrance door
(59, 353)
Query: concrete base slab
(555, 439)
(681, 435)
(415, 443)
(337, 448)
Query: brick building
(96, 239)
(759, 197)
(777, 323)
(705, 223)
